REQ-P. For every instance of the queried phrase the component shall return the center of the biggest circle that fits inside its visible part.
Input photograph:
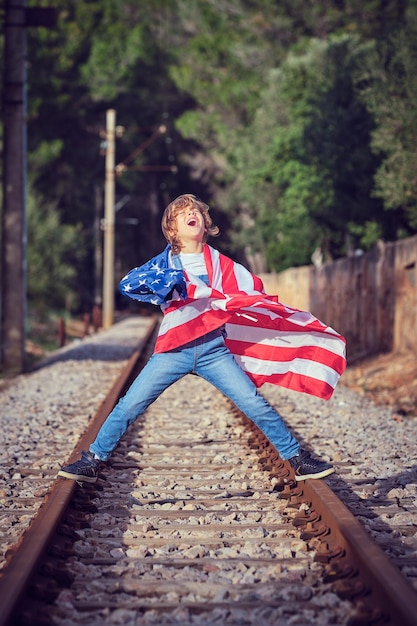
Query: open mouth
(192, 221)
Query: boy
(219, 324)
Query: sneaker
(305, 466)
(84, 470)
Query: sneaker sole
(322, 474)
(77, 477)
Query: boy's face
(190, 225)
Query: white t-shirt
(194, 263)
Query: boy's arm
(154, 282)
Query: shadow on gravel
(374, 506)
(114, 344)
(85, 351)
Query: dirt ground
(387, 379)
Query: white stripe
(217, 274)
(202, 289)
(300, 318)
(280, 338)
(243, 277)
(183, 315)
(244, 280)
(299, 367)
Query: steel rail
(343, 543)
(340, 539)
(24, 561)
(391, 591)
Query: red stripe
(260, 319)
(287, 354)
(287, 328)
(267, 314)
(209, 263)
(190, 293)
(182, 334)
(296, 382)
(229, 282)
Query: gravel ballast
(43, 414)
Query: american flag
(272, 342)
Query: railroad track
(196, 520)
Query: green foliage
(366, 234)
(52, 254)
(295, 120)
(286, 139)
(309, 142)
(391, 95)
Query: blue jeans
(209, 358)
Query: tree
(391, 95)
(238, 84)
(101, 55)
(241, 156)
(51, 258)
(307, 161)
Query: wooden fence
(370, 298)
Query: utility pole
(13, 245)
(98, 247)
(108, 225)
(13, 258)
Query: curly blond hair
(185, 201)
